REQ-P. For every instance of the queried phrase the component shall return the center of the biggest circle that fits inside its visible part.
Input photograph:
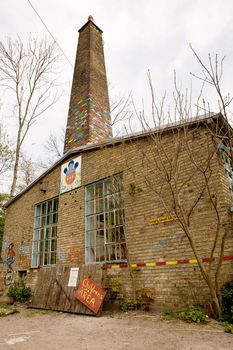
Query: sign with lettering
(162, 219)
(73, 277)
(90, 294)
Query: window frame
(105, 221)
(44, 243)
(227, 163)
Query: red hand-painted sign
(90, 294)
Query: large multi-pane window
(44, 246)
(105, 230)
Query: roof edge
(119, 140)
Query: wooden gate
(52, 291)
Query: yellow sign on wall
(162, 219)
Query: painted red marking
(184, 261)
(228, 258)
(160, 263)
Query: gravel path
(31, 329)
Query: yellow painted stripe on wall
(151, 264)
(194, 261)
(171, 262)
(115, 266)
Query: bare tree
(185, 153)
(54, 149)
(28, 171)
(27, 73)
(121, 113)
(6, 151)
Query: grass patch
(35, 312)
(6, 310)
(168, 316)
(228, 327)
(190, 314)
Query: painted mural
(89, 123)
(10, 256)
(71, 175)
(9, 261)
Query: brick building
(122, 209)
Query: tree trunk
(16, 167)
(214, 299)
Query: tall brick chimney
(89, 113)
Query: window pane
(50, 205)
(91, 222)
(104, 220)
(53, 258)
(47, 233)
(43, 221)
(90, 192)
(48, 221)
(54, 221)
(46, 262)
(54, 231)
(53, 245)
(36, 235)
(90, 208)
(100, 221)
(111, 220)
(99, 190)
(55, 204)
(35, 247)
(44, 208)
(108, 188)
(35, 260)
(41, 234)
(99, 205)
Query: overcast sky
(138, 35)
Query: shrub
(228, 327)
(227, 302)
(193, 314)
(130, 305)
(19, 291)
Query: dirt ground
(36, 329)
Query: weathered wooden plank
(52, 291)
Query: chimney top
(90, 18)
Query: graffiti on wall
(9, 261)
(70, 175)
(10, 257)
(71, 254)
(62, 254)
(24, 255)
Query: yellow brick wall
(146, 243)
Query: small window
(44, 247)
(228, 170)
(105, 229)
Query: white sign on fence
(73, 277)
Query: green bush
(227, 302)
(19, 291)
(228, 327)
(193, 314)
(130, 305)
